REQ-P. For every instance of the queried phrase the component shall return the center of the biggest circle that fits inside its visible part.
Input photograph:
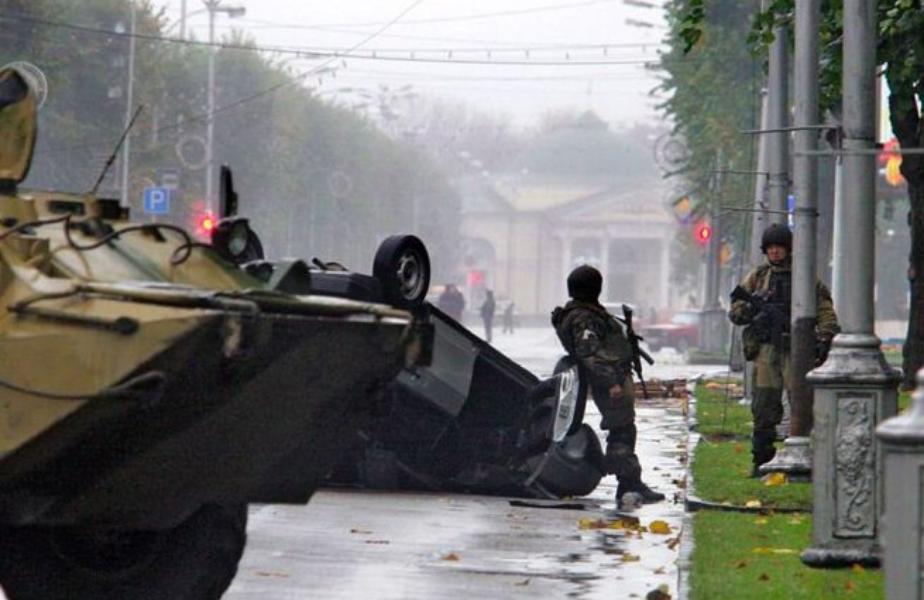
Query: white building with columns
(522, 240)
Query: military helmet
(776, 235)
(585, 283)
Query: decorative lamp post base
(841, 557)
(855, 390)
(794, 459)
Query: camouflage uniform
(771, 363)
(597, 340)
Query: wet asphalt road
(409, 545)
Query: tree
(901, 52)
(316, 179)
(711, 99)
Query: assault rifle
(770, 322)
(637, 353)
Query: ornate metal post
(902, 440)
(856, 388)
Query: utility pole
(714, 314)
(778, 109)
(211, 5)
(126, 150)
(856, 388)
(761, 219)
(795, 459)
(182, 19)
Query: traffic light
(205, 224)
(702, 233)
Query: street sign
(168, 178)
(156, 201)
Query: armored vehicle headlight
(234, 240)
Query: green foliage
(721, 473)
(740, 556)
(316, 179)
(713, 95)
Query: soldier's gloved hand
(822, 347)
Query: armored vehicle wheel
(402, 266)
(194, 561)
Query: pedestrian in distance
(487, 313)
(508, 318)
(762, 304)
(600, 345)
(451, 302)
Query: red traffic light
(703, 233)
(206, 223)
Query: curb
(692, 504)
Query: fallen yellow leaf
(659, 527)
(627, 524)
(761, 521)
(765, 550)
(272, 574)
(857, 568)
(753, 504)
(451, 556)
(775, 479)
(630, 557)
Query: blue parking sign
(157, 200)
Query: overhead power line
(449, 19)
(349, 52)
(266, 92)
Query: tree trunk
(907, 125)
(913, 350)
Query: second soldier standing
(763, 307)
(596, 340)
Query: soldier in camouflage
(596, 340)
(766, 337)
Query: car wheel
(402, 266)
(195, 560)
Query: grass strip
(739, 556)
(718, 412)
(721, 472)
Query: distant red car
(681, 332)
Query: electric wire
(294, 79)
(310, 52)
(459, 18)
(154, 379)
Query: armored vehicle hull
(150, 388)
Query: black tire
(194, 561)
(402, 266)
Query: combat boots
(762, 450)
(639, 488)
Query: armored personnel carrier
(150, 389)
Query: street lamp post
(213, 6)
(129, 109)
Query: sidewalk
(406, 545)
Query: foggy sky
(617, 92)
